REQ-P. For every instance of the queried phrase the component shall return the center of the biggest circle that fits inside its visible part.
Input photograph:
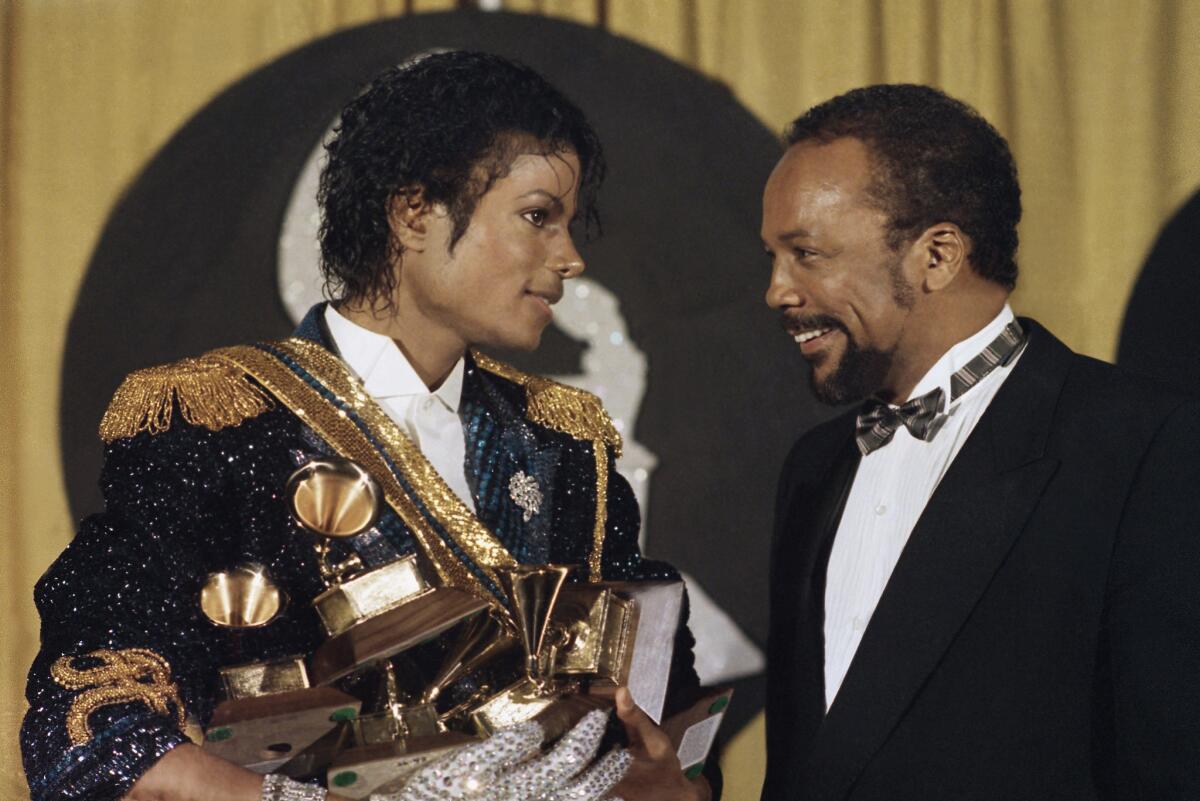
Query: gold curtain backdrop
(1099, 98)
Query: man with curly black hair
(984, 576)
(448, 200)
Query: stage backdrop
(1099, 101)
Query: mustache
(799, 322)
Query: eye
(802, 253)
(536, 217)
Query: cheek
(864, 305)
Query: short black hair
(934, 159)
(450, 122)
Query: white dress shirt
(890, 490)
(430, 419)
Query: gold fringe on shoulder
(210, 392)
(560, 407)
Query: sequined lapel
(317, 386)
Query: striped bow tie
(878, 422)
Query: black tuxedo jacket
(1040, 635)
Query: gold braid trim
(599, 529)
(209, 392)
(122, 677)
(566, 409)
(335, 427)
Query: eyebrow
(549, 198)
(795, 233)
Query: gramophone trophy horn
(483, 638)
(533, 591)
(241, 598)
(334, 497)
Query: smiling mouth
(809, 334)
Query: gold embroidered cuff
(124, 676)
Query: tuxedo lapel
(969, 525)
(816, 524)
(808, 519)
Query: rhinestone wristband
(276, 787)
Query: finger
(643, 733)
(601, 778)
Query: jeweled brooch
(524, 491)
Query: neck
(933, 337)
(430, 350)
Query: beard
(859, 374)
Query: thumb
(642, 732)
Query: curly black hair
(935, 159)
(450, 123)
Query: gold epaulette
(210, 392)
(563, 408)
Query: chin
(515, 340)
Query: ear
(942, 250)
(408, 217)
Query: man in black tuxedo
(986, 579)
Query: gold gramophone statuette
(269, 712)
(335, 498)
(599, 627)
(370, 615)
(408, 733)
(533, 592)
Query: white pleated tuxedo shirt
(430, 419)
(890, 490)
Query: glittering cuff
(105, 768)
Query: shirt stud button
(881, 509)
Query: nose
(566, 260)
(782, 291)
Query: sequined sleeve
(123, 653)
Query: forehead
(556, 173)
(814, 175)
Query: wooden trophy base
(265, 732)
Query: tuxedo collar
(968, 527)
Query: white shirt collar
(957, 357)
(383, 367)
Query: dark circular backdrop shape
(1160, 336)
(187, 262)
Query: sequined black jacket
(125, 651)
